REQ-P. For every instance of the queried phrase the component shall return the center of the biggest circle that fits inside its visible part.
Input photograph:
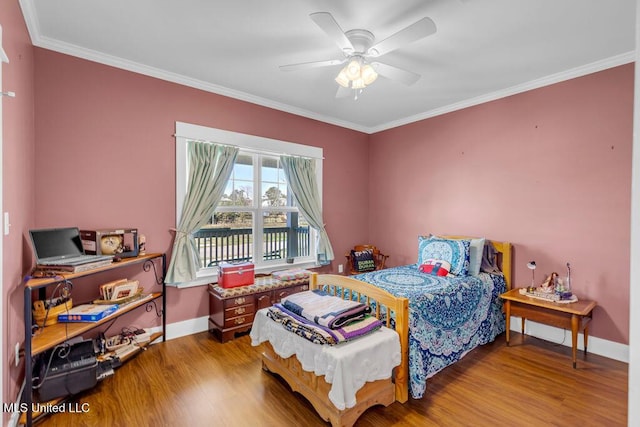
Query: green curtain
(301, 177)
(210, 167)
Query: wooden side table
(575, 315)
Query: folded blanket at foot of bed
(325, 309)
(319, 334)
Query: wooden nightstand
(575, 315)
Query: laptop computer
(58, 247)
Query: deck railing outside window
(235, 244)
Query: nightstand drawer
(263, 300)
(278, 294)
(240, 310)
(234, 322)
(238, 301)
(299, 288)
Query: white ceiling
(482, 50)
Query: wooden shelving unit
(43, 339)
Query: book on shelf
(44, 268)
(87, 313)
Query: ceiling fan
(360, 50)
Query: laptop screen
(56, 242)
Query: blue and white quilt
(448, 316)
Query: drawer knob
(240, 310)
(240, 300)
(239, 321)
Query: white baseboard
(595, 345)
(187, 327)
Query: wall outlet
(340, 268)
(17, 353)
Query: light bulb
(358, 84)
(369, 75)
(353, 69)
(342, 78)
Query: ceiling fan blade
(395, 73)
(308, 65)
(325, 21)
(343, 92)
(418, 30)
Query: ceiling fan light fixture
(368, 74)
(357, 74)
(342, 78)
(358, 84)
(359, 46)
(353, 69)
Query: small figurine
(549, 285)
(142, 244)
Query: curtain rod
(253, 150)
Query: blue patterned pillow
(455, 252)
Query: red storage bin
(234, 275)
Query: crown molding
(38, 40)
(99, 57)
(573, 73)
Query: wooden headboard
(504, 260)
(503, 255)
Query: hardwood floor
(196, 381)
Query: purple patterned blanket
(325, 309)
(319, 334)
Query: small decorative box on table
(231, 310)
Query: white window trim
(187, 131)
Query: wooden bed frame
(381, 392)
(316, 389)
(504, 261)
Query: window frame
(247, 144)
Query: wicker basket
(40, 312)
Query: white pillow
(475, 256)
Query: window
(257, 219)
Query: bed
(315, 371)
(438, 321)
(448, 316)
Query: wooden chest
(231, 311)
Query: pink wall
(549, 170)
(18, 183)
(107, 136)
